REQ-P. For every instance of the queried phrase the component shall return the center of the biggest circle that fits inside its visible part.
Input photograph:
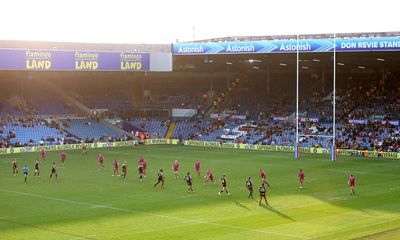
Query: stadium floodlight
(380, 59)
(361, 67)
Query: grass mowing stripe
(152, 214)
(74, 236)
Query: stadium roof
(85, 46)
(167, 47)
(302, 36)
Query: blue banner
(65, 60)
(287, 46)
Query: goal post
(333, 150)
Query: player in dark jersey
(263, 193)
(189, 182)
(141, 171)
(37, 168)
(352, 184)
(249, 186)
(224, 182)
(53, 171)
(124, 169)
(25, 171)
(160, 178)
(301, 178)
(14, 165)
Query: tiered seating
(189, 129)
(176, 101)
(51, 106)
(33, 135)
(108, 102)
(88, 128)
(156, 128)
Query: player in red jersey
(63, 156)
(15, 167)
(175, 168)
(209, 177)
(352, 184)
(144, 163)
(301, 177)
(116, 168)
(197, 167)
(43, 154)
(263, 176)
(100, 162)
(140, 160)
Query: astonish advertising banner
(287, 46)
(53, 60)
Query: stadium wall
(239, 146)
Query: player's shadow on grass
(241, 205)
(278, 213)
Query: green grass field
(85, 203)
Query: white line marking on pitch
(347, 171)
(101, 206)
(86, 237)
(337, 198)
(154, 215)
(310, 179)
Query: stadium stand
(30, 132)
(90, 130)
(156, 128)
